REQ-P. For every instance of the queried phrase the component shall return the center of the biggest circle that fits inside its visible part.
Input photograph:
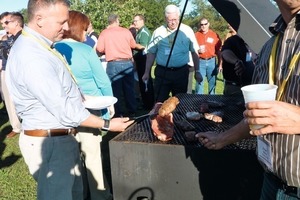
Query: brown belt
(50, 132)
(207, 58)
(120, 59)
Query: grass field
(15, 181)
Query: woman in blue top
(91, 78)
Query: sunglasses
(7, 22)
(204, 24)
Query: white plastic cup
(259, 92)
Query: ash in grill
(231, 107)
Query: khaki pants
(10, 107)
(91, 150)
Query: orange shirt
(116, 43)
(212, 43)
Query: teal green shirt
(162, 40)
(86, 67)
(143, 36)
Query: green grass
(219, 84)
(15, 181)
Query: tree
(202, 8)
(99, 10)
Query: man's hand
(210, 140)
(277, 117)
(145, 77)
(239, 68)
(198, 77)
(119, 124)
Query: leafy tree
(99, 10)
(202, 8)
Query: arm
(139, 47)
(218, 52)
(231, 58)
(116, 124)
(213, 140)
(149, 64)
(100, 77)
(100, 43)
(197, 75)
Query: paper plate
(99, 102)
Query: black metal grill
(232, 110)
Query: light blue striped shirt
(42, 89)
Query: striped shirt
(285, 148)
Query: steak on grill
(162, 124)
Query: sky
(17, 5)
(12, 5)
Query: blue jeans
(272, 190)
(207, 69)
(121, 75)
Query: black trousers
(147, 96)
(170, 80)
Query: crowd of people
(52, 64)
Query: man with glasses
(13, 24)
(172, 56)
(143, 37)
(209, 48)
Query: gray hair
(112, 18)
(172, 9)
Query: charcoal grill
(143, 166)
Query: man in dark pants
(172, 77)
(143, 37)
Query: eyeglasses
(204, 24)
(172, 20)
(7, 22)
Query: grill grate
(232, 110)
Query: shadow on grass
(5, 128)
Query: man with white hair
(171, 74)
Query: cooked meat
(168, 106)
(163, 127)
(184, 125)
(190, 136)
(193, 115)
(162, 123)
(204, 107)
(214, 116)
(215, 104)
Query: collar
(169, 30)
(141, 29)
(17, 35)
(279, 25)
(38, 35)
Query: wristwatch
(106, 125)
(197, 71)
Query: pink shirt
(116, 42)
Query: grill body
(143, 166)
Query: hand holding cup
(259, 92)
